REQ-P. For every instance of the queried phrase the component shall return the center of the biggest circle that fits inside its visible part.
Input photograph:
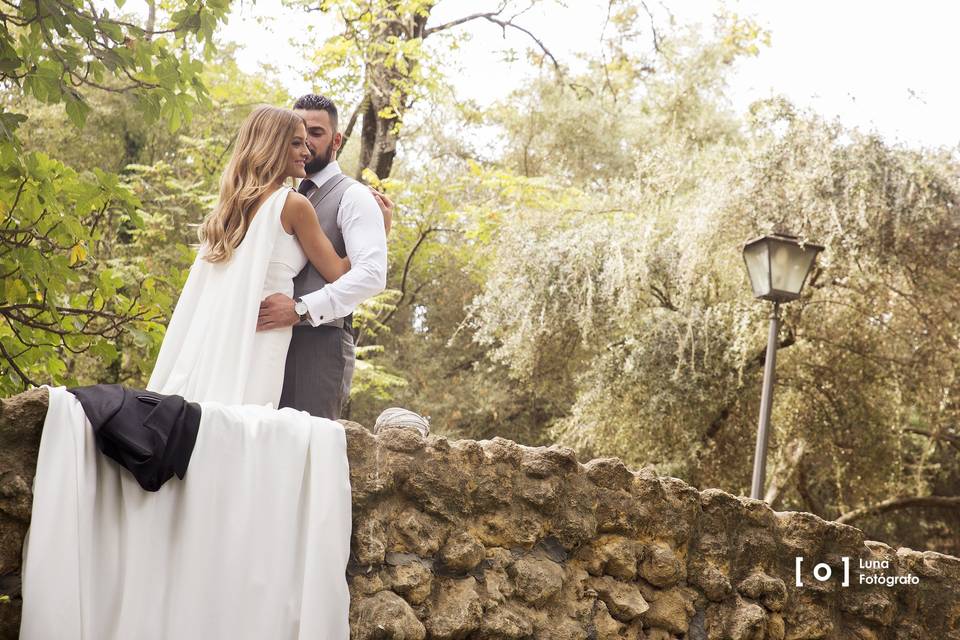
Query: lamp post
(778, 266)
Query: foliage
(382, 64)
(55, 300)
(56, 51)
(72, 296)
(638, 310)
(446, 221)
(378, 64)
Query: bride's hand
(386, 208)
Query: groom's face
(321, 138)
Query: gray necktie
(306, 186)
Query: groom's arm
(361, 224)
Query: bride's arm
(299, 215)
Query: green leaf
(113, 31)
(8, 125)
(104, 350)
(77, 110)
(10, 61)
(56, 367)
(174, 120)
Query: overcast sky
(878, 65)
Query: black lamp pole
(766, 403)
(778, 265)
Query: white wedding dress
(253, 543)
(212, 350)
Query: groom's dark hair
(313, 102)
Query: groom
(320, 359)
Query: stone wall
(490, 539)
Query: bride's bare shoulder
(295, 207)
(295, 199)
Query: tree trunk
(378, 140)
(151, 18)
(902, 502)
(387, 74)
(782, 475)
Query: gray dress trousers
(320, 360)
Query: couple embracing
(265, 315)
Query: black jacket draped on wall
(150, 434)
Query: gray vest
(326, 202)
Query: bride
(258, 237)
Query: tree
(383, 50)
(58, 296)
(582, 135)
(439, 260)
(639, 312)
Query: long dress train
(212, 350)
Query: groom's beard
(319, 161)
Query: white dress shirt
(365, 239)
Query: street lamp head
(778, 266)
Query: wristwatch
(301, 309)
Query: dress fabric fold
(253, 543)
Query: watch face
(300, 308)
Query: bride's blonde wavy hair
(258, 162)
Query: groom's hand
(276, 312)
(386, 208)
